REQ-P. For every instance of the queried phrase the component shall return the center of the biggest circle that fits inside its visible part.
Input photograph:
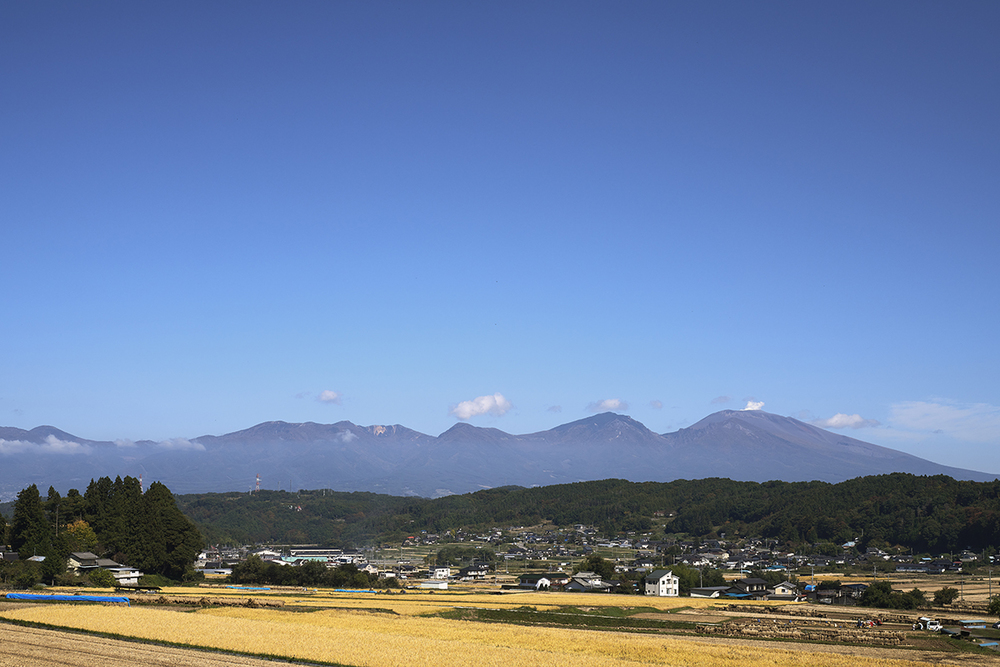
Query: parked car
(996, 625)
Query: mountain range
(746, 445)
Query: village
(556, 559)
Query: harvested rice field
(404, 630)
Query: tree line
(925, 513)
(112, 519)
(254, 570)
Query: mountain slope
(741, 445)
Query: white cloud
(181, 444)
(125, 443)
(52, 445)
(495, 405)
(753, 405)
(346, 436)
(328, 396)
(656, 404)
(976, 422)
(608, 405)
(840, 420)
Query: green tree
(29, 534)
(881, 596)
(170, 541)
(994, 606)
(250, 571)
(945, 596)
(311, 573)
(73, 506)
(53, 505)
(598, 565)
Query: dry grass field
(323, 629)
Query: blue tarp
(67, 598)
(350, 590)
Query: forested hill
(937, 514)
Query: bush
(102, 579)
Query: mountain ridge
(742, 445)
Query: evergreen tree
(172, 542)
(29, 534)
(73, 506)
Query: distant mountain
(740, 445)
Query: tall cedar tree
(29, 531)
(171, 542)
(146, 531)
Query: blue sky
(518, 213)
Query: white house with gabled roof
(663, 583)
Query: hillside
(927, 514)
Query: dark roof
(84, 555)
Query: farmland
(436, 629)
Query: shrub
(102, 578)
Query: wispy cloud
(656, 405)
(495, 405)
(975, 422)
(329, 396)
(52, 445)
(181, 444)
(753, 405)
(720, 400)
(608, 405)
(555, 408)
(840, 420)
(125, 443)
(346, 436)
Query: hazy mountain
(740, 445)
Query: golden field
(364, 638)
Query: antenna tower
(258, 483)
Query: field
(417, 629)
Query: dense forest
(112, 519)
(926, 514)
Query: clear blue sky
(217, 214)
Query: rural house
(663, 583)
